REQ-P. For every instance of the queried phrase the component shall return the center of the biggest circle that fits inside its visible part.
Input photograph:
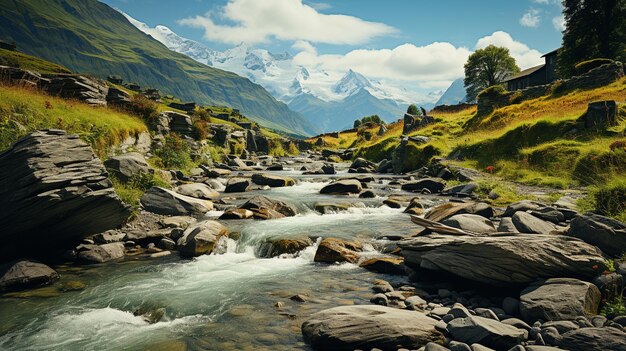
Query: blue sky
(418, 42)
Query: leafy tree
(357, 123)
(413, 110)
(487, 67)
(593, 29)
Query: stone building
(538, 75)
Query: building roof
(524, 73)
(551, 52)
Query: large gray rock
(272, 181)
(485, 331)
(331, 250)
(166, 202)
(24, 274)
(264, 207)
(470, 222)
(237, 185)
(449, 209)
(200, 238)
(126, 166)
(524, 205)
(594, 339)
(559, 299)
(100, 253)
(527, 223)
(198, 191)
(606, 233)
(53, 192)
(503, 259)
(433, 185)
(345, 186)
(348, 328)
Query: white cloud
(559, 23)
(434, 62)
(543, 2)
(531, 18)
(254, 21)
(319, 5)
(525, 56)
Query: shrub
(357, 123)
(143, 107)
(131, 191)
(586, 66)
(414, 110)
(202, 115)
(493, 90)
(614, 307)
(618, 145)
(200, 130)
(610, 200)
(174, 153)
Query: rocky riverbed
(298, 253)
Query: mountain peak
(351, 82)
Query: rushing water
(213, 302)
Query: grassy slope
(24, 110)
(24, 61)
(90, 37)
(536, 142)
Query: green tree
(413, 110)
(357, 123)
(487, 67)
(593, 29)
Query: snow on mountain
(286, 81)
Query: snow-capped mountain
(309, 90)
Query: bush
(143, 107)
(175, 153)
(414, 110)
(586, 66)
(357, 123)
(610, 200)
(202, 115)
(495, 90)
(200, 130)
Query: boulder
(263, 207)
(345, 186)
(471, 223)
(385, 265)
(178, 122)
(433, 185)
(100, 253)
(166, 202)
(506, 226)
(449, 209)
(277, 247)
(272, 181)
(53, 192)
(485, 331)
(559, 299)
(331, 250)
(461, 190)
(524, 205)
(200, 238)
(237, 213)
(503, 259)
(606, 233)
(217, 173)
(23, 274)
(198, 191)
(349, 328)
(524, 222)
(326, 208)
(237, 185)
(126, 166)
(594, 339)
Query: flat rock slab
(559, 299)
(272, 181)
(594, 339)
(348, 328)
(503, 259)
(170, 203)
(346, 186)
(198, 191)
(606, 233)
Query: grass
(24, 110)
(24, 61)
(132, 190)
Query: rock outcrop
(24, 274)
(503, 259)
(53, 192)
(127, 166)
(350, 328)
(606, 233)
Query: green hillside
(90, 37)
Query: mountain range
(90, 37)
(454, 94)
(328, 100)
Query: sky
(412, 43)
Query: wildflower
(490, 169)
